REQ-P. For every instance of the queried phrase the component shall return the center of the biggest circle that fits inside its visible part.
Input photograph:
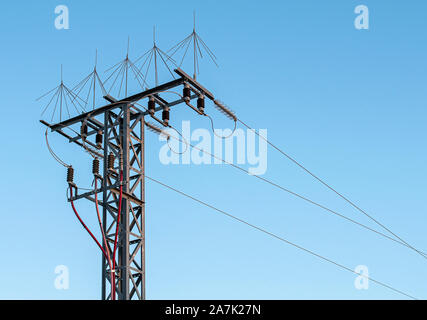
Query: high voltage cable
(396, 237)
(279, 238)
(424, 255)
(335, 191)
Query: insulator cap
(221, 107)
(95, 166)
(186, 92)
(111, 161)
(83, 130)
(165, 115)
(98, 140)
(70, 175)
(152, 127)
(201, 104)
(151, 105)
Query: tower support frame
(123, 127)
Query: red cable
(83, 224)
(113, 293)
(103, 235)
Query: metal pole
(126, 142)
(104, 199)
(142, 157)
(124, 222)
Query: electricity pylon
(121, 125)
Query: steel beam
(118, 104)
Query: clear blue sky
(349, 104)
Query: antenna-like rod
(127, 51)
(87, 86)
(94, 78)
(154, 54)
(121, 71)
(194, 44)
(197, 42)
(61, 99)
(127, 68)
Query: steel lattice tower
(121, 130)
(123, 126)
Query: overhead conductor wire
(230, 114)
(301, 197)
(281, 238)
(220, 106)
(107, 248)
(53, 153)
(83, 224)
(113, 293)
(335, 191)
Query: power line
(279, 238)
(335, 191)
(424, 255)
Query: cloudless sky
(349, 104)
